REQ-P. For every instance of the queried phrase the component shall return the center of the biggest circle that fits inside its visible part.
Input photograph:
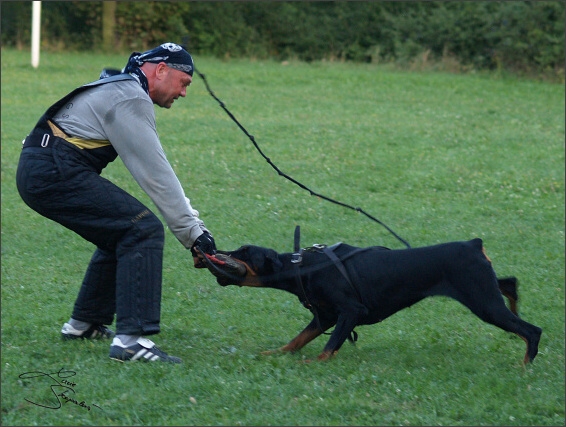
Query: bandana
(172, 54)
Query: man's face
(170, 85)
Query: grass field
(437, 157)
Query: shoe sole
(70, 337)
(146, 361)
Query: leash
(109, 72)
(304, 187)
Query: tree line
(523, 36)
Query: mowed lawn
(437, 157)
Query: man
(59, 177)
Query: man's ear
(161, 70)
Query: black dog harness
(297, 260)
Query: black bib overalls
(62, 182)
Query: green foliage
(15, 23)
(143, 25)
(521, 36)
(534, 42)
(486, 35)
(436, 156)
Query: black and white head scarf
(172, 54)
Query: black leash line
(304, 187)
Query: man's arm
(133, 135)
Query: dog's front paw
(270, 352)
(325, 355)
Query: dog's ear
(273, 257)
(263, 261)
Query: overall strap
(43, 127)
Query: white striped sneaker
(95, 332)
(144, 350)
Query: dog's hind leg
(508, 287)
(511, 323)
(485, 300)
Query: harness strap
(297, 261)
(330, 254)
(353, 337)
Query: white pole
(35, 33)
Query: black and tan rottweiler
(346, 286)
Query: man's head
(168, 69)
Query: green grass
(437, 157)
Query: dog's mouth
(228, 270)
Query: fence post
(35, 33)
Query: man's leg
(96, 302)
(113, 220)
(139, 276)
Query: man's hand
(205, 243)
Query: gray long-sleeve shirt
(123, 114)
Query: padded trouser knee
(139, 277)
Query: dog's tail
(507, 285)
(478, 243)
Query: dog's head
(245, 266)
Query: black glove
(204, 242)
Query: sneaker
(95, 332)
(144, 350)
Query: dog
(346, 286)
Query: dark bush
(515, 35)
